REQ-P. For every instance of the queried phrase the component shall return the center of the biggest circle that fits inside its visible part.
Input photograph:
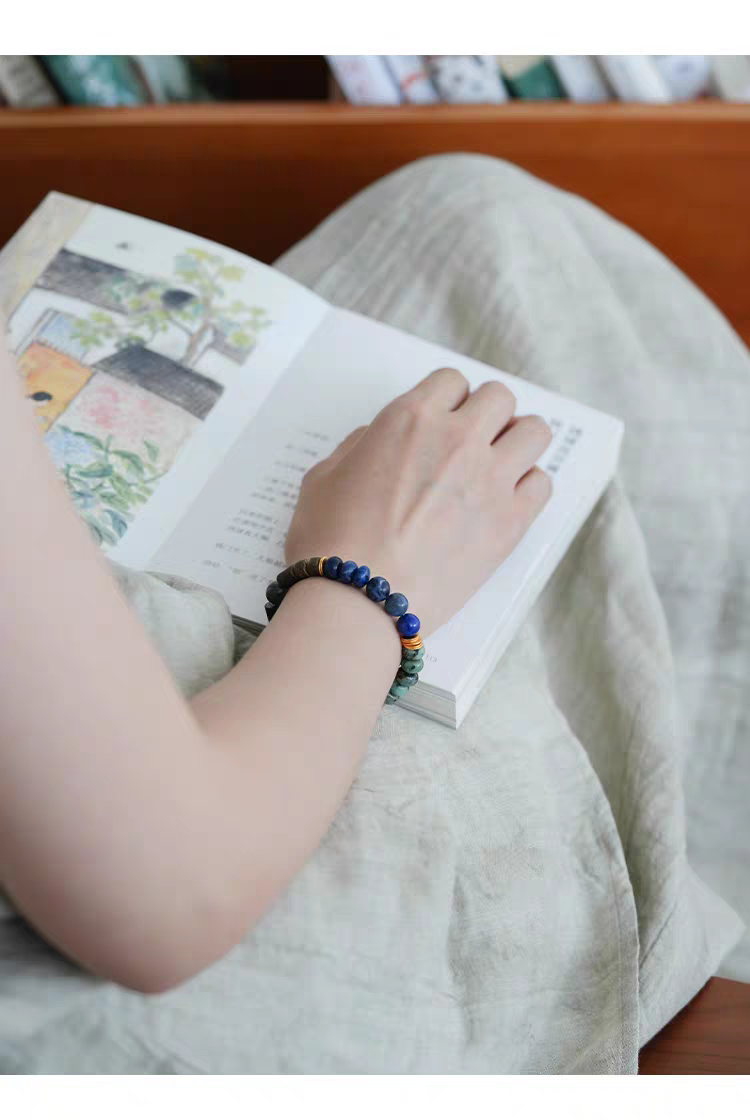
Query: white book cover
(464, 79)
(24, 84)
(411, 74)
(731, 76)
(635, 77)
(687, 75)
(184, 389)
(580, 77)
(365, 79)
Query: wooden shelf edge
(406, 116)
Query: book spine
(635, 77)
(530, 77)
(98, 79)
(467, 79)
(687, 75)
(580, 77)
(410, 73)
(168, 78)
(731, 76)
(493, 77)
(365, 79)
(23, 83)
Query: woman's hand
(433, 495)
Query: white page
(232, 536)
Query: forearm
(128, 818)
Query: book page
(232, 537)
(145, 351)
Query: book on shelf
(635, 77)
(580, 77)
(365, 79)
(168, 77)
(96, 79)
(184, 389)
(530, 77)
(23, 83)
(465, 79)
(688, 76)
(412, 77)
(731, 76)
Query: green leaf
(240, 339)
(132, 460)
(101, 531)
(95, 530)
(123, 486)
(151, 449)
(119, 523)
(98, 470)
(231, 272)
(93, 440)
(113, 499)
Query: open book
(185, 389)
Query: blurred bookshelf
(260, 169)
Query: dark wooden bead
(293, 574)
(274, 593)
(270, 611)
(312, 566)
(299, 570)
(285, 579)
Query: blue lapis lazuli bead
(346, 571)
(396, 604)
(331, 567)
(408, 625)
(361, 576)
(377, 589)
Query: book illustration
(115, 364)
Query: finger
(533, 492)
(521, 444)
(444, 387)
(489, 408)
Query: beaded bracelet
(377, 589)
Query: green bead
(412, 654)
(413, 666)
(403, 678)
(397, 689)
(391, 699)
(408, 679)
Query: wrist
(351, 617)
(377, 590)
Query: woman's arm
(144, 835)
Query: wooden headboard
(258, 177)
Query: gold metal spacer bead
(321, 562)
(412, 643)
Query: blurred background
(28, 81)
(252, 151)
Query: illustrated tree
(201, 309)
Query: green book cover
(96, 79)
(532, 79)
